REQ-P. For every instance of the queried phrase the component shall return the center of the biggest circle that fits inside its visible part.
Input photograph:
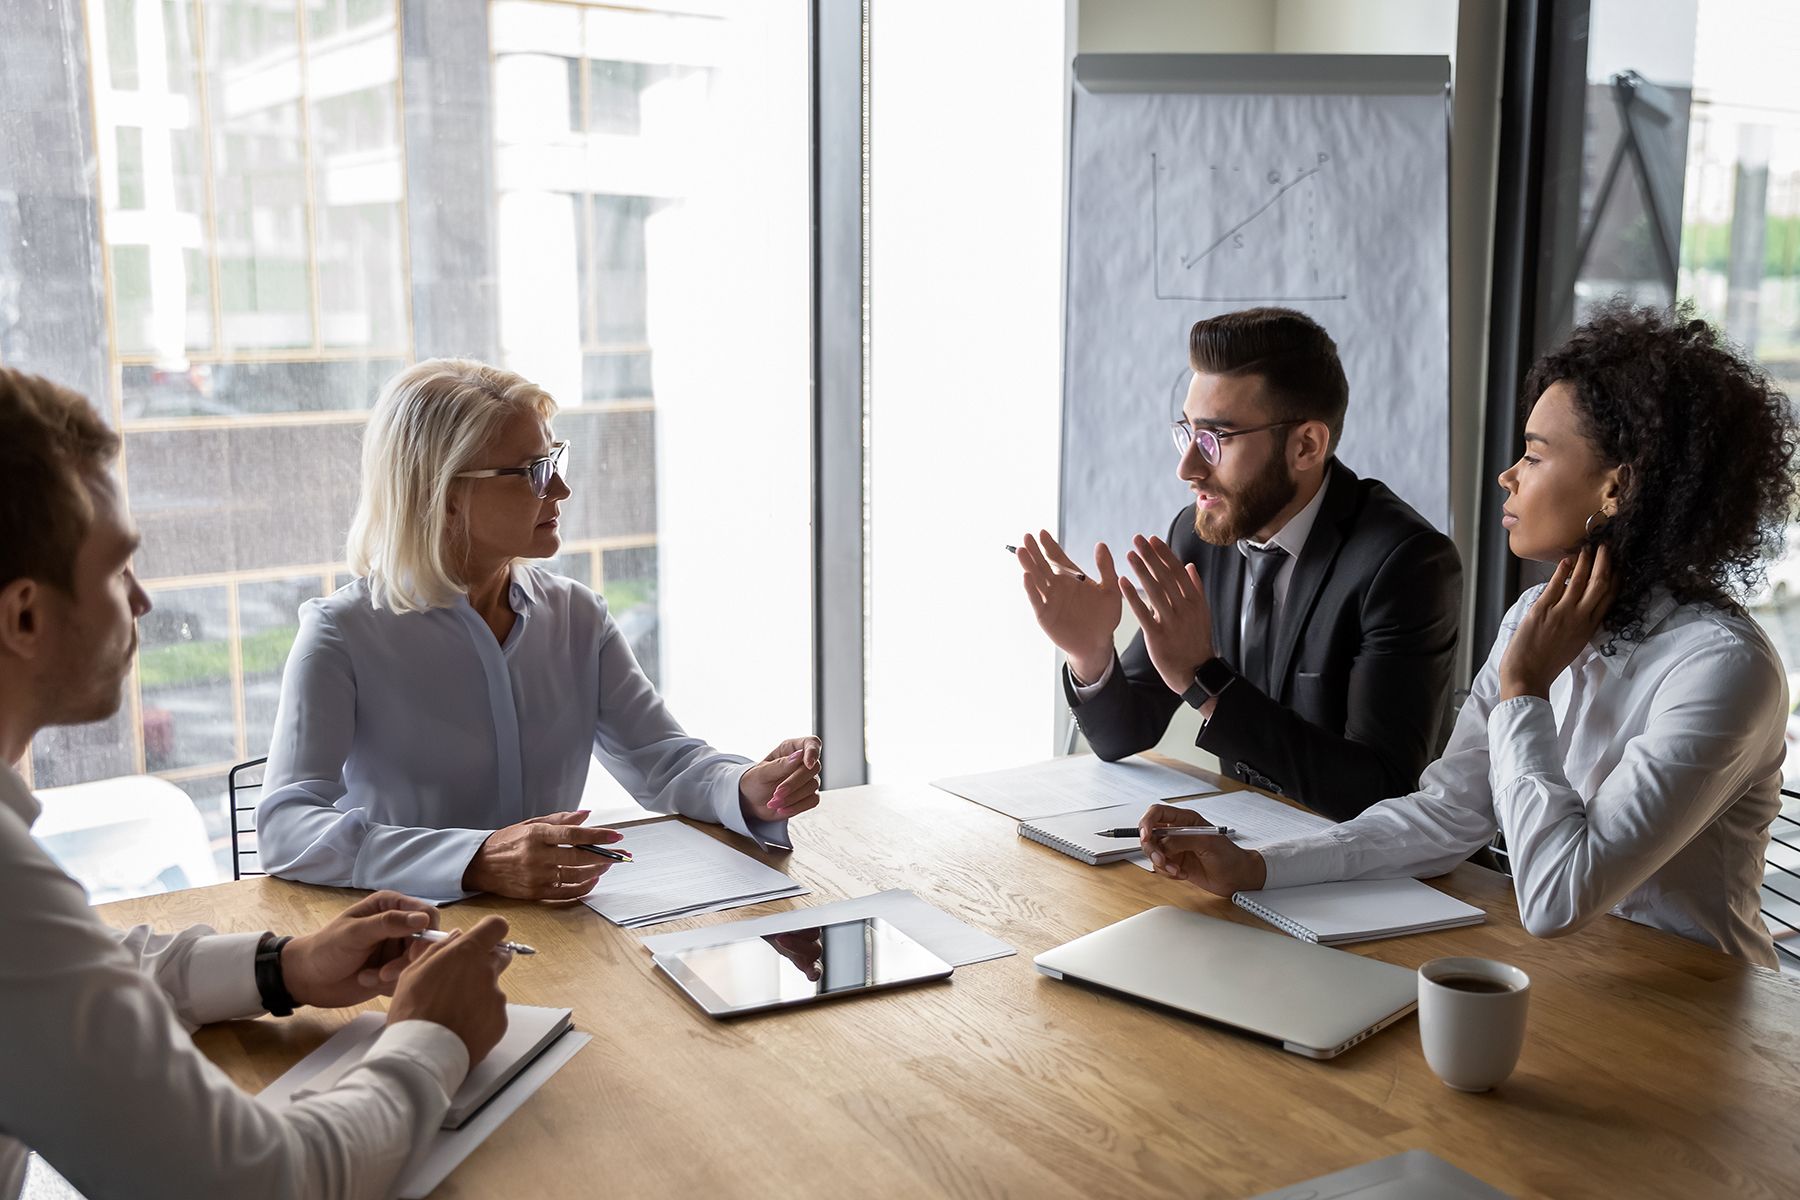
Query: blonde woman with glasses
(437, 715)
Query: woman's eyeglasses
(1212, 441)
(540, 471)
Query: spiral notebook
(1073, 833)
(1358, 910)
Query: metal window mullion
(203, 115)
(311, 188)
(840, 392)
(234, 649)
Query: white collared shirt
(1291, 538)
(99, 1075)
(1643, 786)
(404, 739)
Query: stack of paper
(1079, 781)
(677, 871)
(950, 939)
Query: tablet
(800, 966)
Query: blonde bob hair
(430, 422)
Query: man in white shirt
(100, 1075)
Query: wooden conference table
(1652, 1066)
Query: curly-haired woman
(1626, 732)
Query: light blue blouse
(403, 739)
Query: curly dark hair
(1708, 442)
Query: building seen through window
(293, 202)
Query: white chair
(134, 835)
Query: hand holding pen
(544, 858)
(1182, 844)
(1054, 570)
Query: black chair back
(244, 785)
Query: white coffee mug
(1472, 1020)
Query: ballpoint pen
(604, 852)
(439, 935)
(1167, 831)
(1053, 567)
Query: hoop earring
(1588, 528)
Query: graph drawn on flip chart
(1206, 184)
(1243, 232)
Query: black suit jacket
(1361, 656)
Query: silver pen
(1167, 831)
(439, 935)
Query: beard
(90, 683)
(1244, 510)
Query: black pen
(1166, 831)
(603, 852)
(1053, 567)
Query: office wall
(1176, 26)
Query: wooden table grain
(1652, 1066)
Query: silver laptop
(1312, 999)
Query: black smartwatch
(1210, 678)
(270, 985)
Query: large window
(610, 199)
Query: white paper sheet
(677, 871)
(1254, 820)
(1188, 205)
(444, 1151)
(1073, 783)
(954, 941)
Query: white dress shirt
(404, 739)
(1291, 538)
(99, 1075)
(1643, 786)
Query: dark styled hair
(49, 436)
(1707, 442)
(1292, 354)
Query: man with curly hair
(1627, 731)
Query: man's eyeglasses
(1212, 441)
(539, 471)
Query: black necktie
(1264, 563)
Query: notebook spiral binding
(1061, 845)
(1292, 928)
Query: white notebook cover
(1358, 910)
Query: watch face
(1213, 676)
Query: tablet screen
(801, 965)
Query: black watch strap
(1210, 678)
(270, 984)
